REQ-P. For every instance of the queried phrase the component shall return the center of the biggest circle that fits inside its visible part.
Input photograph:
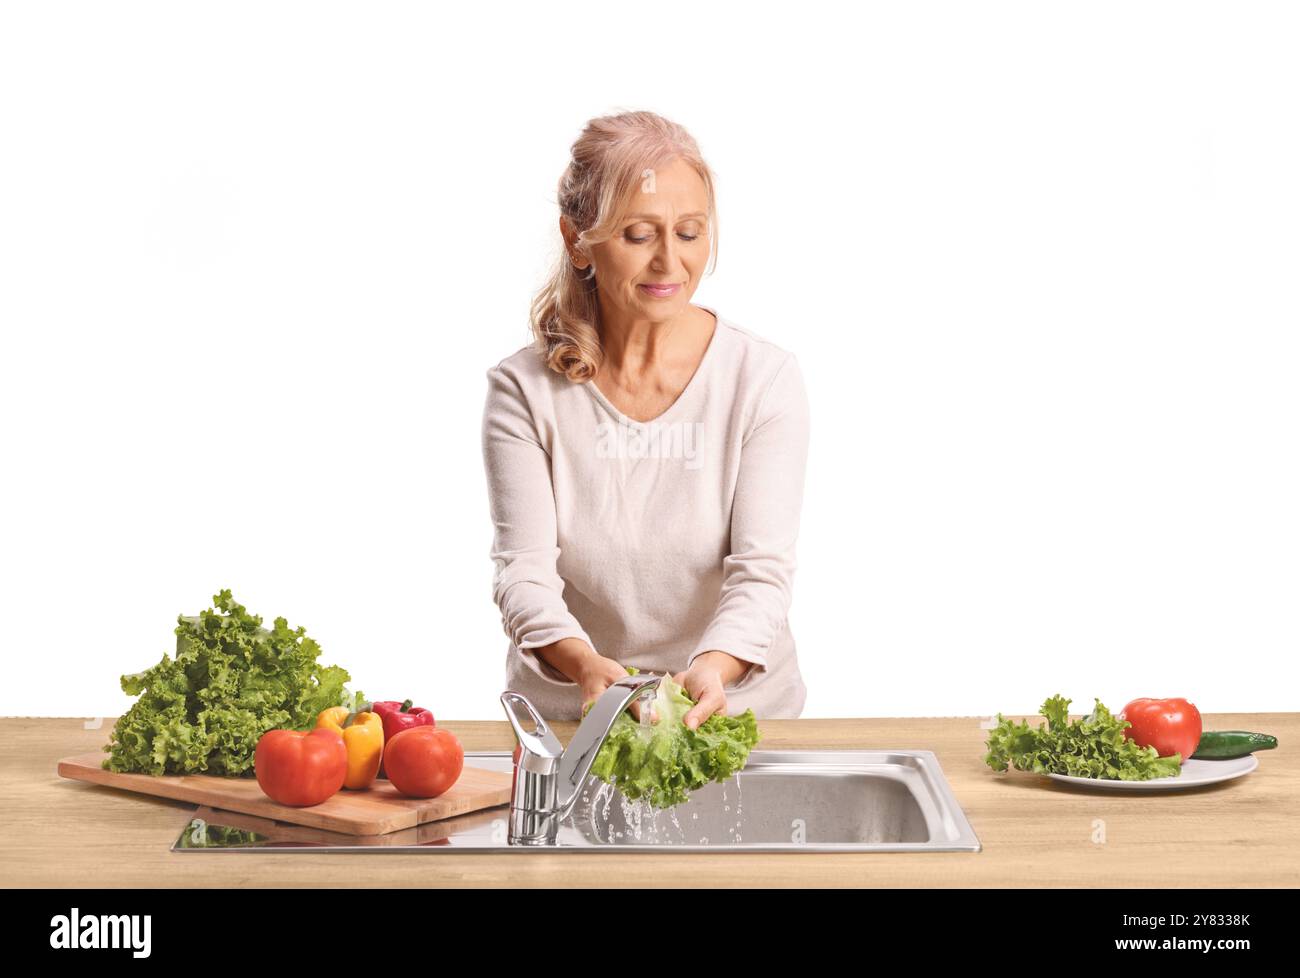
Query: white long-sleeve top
(651, 541)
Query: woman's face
(662, 239)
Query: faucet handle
(539, 749)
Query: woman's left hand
(704, 682)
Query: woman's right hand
(597, 674)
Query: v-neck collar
(690, 384)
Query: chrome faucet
(548, 778)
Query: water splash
(647, 712)
(733, 831)
(740, 799)
(681, 829)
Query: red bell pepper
(401, 716)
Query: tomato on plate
(1171, 726)
(300, 768)
(424, 761)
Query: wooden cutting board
(375, 811)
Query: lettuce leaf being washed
(665, 761)
(1091, 747)
(230, 681)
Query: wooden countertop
(1035, 832)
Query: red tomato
(424, 761)
(300, 768)
(1171, 726)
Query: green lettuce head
(665, 761)
(231, 680)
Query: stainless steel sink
(783, 801)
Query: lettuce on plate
(1091, 747)
(665, 761)
(230, 681)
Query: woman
(645, 457)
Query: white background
(1039, 264)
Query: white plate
(1193, 774)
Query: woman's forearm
(727, 664)
(567, 655)
(570, 655)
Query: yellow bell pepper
(363, 736)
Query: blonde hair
(608, 161)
